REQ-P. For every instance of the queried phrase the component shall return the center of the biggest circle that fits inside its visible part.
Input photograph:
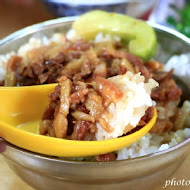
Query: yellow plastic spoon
(26, 104)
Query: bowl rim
(50, 23)
(35, 28)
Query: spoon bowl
(68, 148)
(25, 105)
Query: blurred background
(17, 14)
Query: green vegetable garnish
(182, 24)
(140, 37)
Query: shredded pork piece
(80, 45)
(60, 122)
(14, 63)
(78, 115)
(161, 76)
(49, 111)
(105, 125)
(80, 129)
(162, 126)
(108, 90)
(44, 126)
(78, 96)
(167, 91)
(106, 157)
(94, 104)
(134, 60)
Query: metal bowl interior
(45, 172)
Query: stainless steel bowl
(47, 173)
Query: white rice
(38, 42)
(105, 38)
(100, 37)
(3, 64)
(72, 35)
(181, 66)
(135, 101)
(150, 143)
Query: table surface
(24, 16)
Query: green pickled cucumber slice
(140, 37)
